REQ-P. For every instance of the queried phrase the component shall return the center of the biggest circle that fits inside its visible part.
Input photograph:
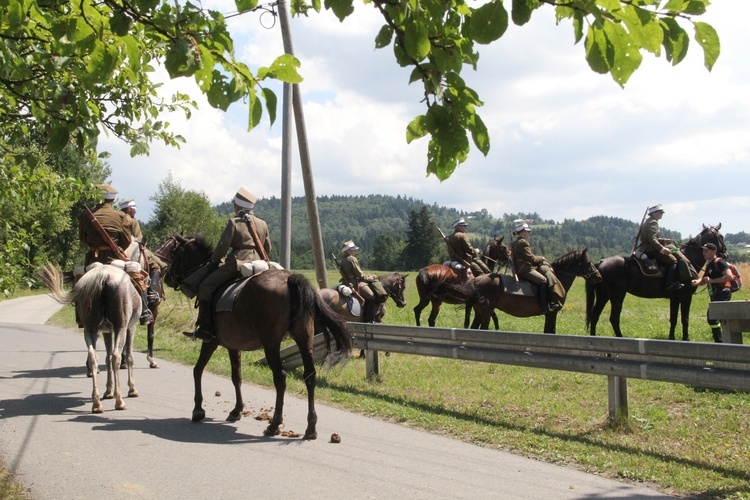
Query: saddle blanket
(225, 302)
(355, 308)
(520, 287)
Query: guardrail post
(372, 363)
(618, 399)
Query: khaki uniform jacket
(649, 236)
(524, 259)
(117, 226)
(135, 229)
(350, 270)
(460, 248)
(238, 240)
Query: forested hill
(386, 227)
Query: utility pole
(316, 238)
(286, 179)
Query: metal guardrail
(718, 366)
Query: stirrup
(146, 317)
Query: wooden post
(618, 399)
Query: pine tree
(422, 244)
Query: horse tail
(423, 277)
(306, 302)
(590, 299)
(53, 279)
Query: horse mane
(202, 243)
(570, 257)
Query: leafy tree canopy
(72, 68)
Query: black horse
(622, 275)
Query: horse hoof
(198, 415)
(97, 409)
(133, 394)
(120, 407)
(234, 417)
(153, 365)
(271, 431)
(311, 435)
(107, 395)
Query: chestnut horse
(107, 303)
(270, 306)
(622, 275)
(571, 265)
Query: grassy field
(682, 439)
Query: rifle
(638, 235)
(353, 286)
(256, 238)
(105, 236)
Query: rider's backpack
(736, 282)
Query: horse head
(496, 252)
(395, 285)
(186, 255)
(578, 263)
(710, 234)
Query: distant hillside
(365, 218)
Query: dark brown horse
(393, 283)
(496, 253)
(567, 268)
(622, 275)
(270, 306)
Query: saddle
(649, 267)
(521, 287)
(355, 308)
(227, 296)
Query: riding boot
(672, 284)
(542, 296)
(553, 305)
(716, 331)
(205, 329)
(146, 316)
(154, 289)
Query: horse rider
(460, 249)
(663, 250)
(536, 269)
(245, 237)
(155, 264)
(717, 277)
(118, 227)
(368, 285)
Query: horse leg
(132, 392)
(495, 321)
(207, 350)
(550, 323)
(685, 307)
(108, 348)
(116, 356)
(674, 306)
(150, 336)
(91, 361)
(423, 301)
(434, 312)
(596, 312)
(310, 381)
(273, 357)
(235, 360)
(614, 314)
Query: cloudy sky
(565, 141)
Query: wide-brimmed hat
(520, 225)
(108, 192)
(710, 246)
(349, 245)
(460, 222)
(245, 199)
(127, 204)
(655, 208)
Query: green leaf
(119, 23)
(675, 40)
(596, 50)
(271, 103)
(626, 56)
(416, 41)
(416, 129)
(182, 58)
(489, 22)
(707, 38)
(340, 8)
(284, 68)
(58, 138)
(255, 111)
(245, 5)
(102, 62)
(385, 35)
(521, 11)
(479, 133)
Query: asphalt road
(55, 446)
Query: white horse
(107, 303)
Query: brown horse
(393, 283)
(270, 306)
(438, 284)
(492, 288)
(106, 303)
(622, 275)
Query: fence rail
(718, 366)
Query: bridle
(177, 270)
(697, 242)
(396, 292)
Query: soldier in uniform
(117, 226)
(536, 269)
(368, 285)
(155, 264)
(460, 249)
(663, 249)
(238, 239)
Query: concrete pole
(286, 179)
(316, 237)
